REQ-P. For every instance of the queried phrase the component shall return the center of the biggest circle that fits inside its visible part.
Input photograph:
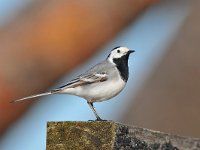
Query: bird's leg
(93, 109)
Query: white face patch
(117, 53)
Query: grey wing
(91, 76)
(98, 73)
(84, 80)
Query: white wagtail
(102, 82)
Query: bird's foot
(101, 120)
(98, 119)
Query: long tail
(32, 96)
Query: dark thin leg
(93, 109)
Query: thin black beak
(131, 51)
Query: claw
(99, 119)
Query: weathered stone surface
(80, 135)
(111, 135)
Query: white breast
(97, 92)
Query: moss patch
(81, 135)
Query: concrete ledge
(109, 135)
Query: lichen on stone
(81, 135)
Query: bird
(100, 83)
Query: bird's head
(118, 53)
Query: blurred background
(44, 44)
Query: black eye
(118, 51)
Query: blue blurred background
(153, 35)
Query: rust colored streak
(50, 39)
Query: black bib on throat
(122, 66)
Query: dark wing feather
(84, 80)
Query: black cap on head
(116, 47)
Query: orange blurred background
(46, 40)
